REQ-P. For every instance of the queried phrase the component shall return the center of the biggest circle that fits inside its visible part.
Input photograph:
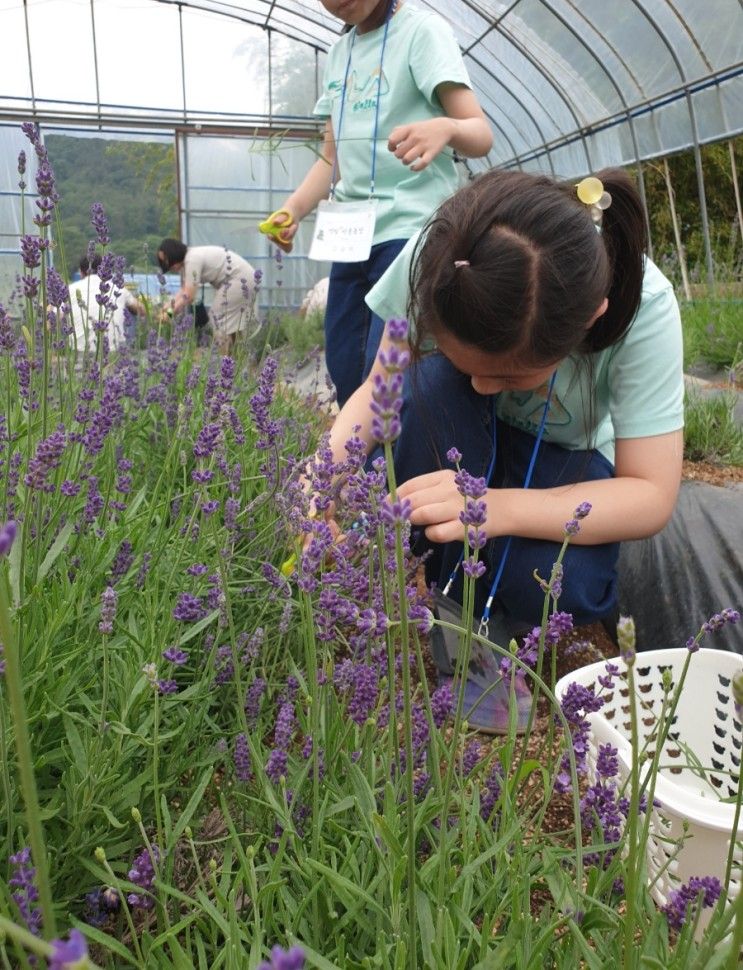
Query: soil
(704, 471)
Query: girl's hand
(288, 229)
(437, 504)
(419, 143)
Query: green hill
(135, 181)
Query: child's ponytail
(624, 234)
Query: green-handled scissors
(269, 227)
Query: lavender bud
(627, 639)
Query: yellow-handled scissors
(288, 567)
(269, 227)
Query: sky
(138, 55)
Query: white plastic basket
(704, 732)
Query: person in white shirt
(86, 311)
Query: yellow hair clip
(591, 192)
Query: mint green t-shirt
(633, 389)
(421, 53)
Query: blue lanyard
(483, 629)
(373, 183)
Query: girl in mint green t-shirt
(558, 365)
(398, 100)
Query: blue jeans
(352, 331)
(441, 409)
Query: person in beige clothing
(233, 280)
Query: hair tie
(591, 192)
(461, 262)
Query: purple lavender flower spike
(243, 768)
(442, 704)
(577, 703)
(607, 761)
(175, 655)
(366, 691)
(260, 404)
(291, 959)
(422, 617)
(386, 403)
(573, 526)
(31, 247)
(284, 728)
(454, 456)
(716, 622)
(469, 486)
(700, 890)
(188, 608)
(71, 954)
(473, 568)
(7, 536)
(25, 892)
(253, 697)
(607, 680)
(276, 765)
(142, 874)
(46, 460)
(626, 638)
(7, 334)
(471, 757)
(109, 599)
(100, 223)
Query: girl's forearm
(621, 508)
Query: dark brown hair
(88, 265)
(173, 252)
(537, 270)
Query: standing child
(538, 319)
(398, 100)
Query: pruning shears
(277, 223)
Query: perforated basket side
(702, 753)
(690, 829)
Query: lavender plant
(220, 742)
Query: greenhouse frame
(569, 86)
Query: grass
(711, 432)
(712, 333)
(295, 336)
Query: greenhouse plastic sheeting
(568, 85)
(228, 185)
(12, 142)
(674, 581)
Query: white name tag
(344, 231)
